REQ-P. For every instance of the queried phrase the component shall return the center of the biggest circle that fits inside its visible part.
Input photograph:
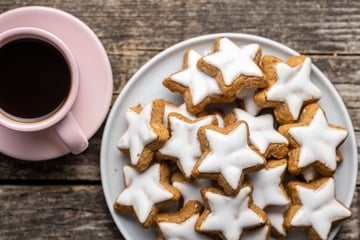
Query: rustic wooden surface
(63, 198)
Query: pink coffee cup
(61, 119)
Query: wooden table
(63, 198)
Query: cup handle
(71, 134)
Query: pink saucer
(96, 82)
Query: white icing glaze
(143, 190)
(230, 215)
(310, 174)
(229, 154)
(207, 52)
(261, 129)
(261, 233)
(220, 120)
(182, 231)
(318, 141)
(267, 191)
(139, 132)
(169, 108)
(247, 96)
(191, 191)
(275, 215)
(293, 86)
(319, 208)
(234, 61)
(200, 84)
(184, 135)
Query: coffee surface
(34, 78)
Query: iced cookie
(190, 191)
(180, 225)
(183, 146)
(310, 174)
(234, 67)
(263, 136)
(246, 99)
(226, 155)
(269, 193)
(145, 134)
(199, 89)
(268, 189)
(220, 119)
(173, 108)
(146, 192)
(217, 111)
(228, 216)
(290, 87)
(314, 142)
(314, 207)
(275, 215)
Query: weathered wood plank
(130, 30)
(154, 25)
(350, 229)
(332, 24)
(29, 212)
(55, 212)
(339, 69)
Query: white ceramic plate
(146, 85)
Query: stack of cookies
(249, 154)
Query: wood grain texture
(147, 27)
(80, 212)
(63, 199)
(55, 212)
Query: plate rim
(243, 36)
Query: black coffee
(34, 78)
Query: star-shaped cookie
(229, 216)
(314, 207)
(145, 134)
(234, 67)
(199, 88)
(183, 146)
(314, 142)
(189, 190)
(173, 108)
(181, 225)
(290, 87)
(246, 99)
(268, 189)
(263, 136)
(226, 155)
(309, 174)
(145, 192)
(275, 215)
